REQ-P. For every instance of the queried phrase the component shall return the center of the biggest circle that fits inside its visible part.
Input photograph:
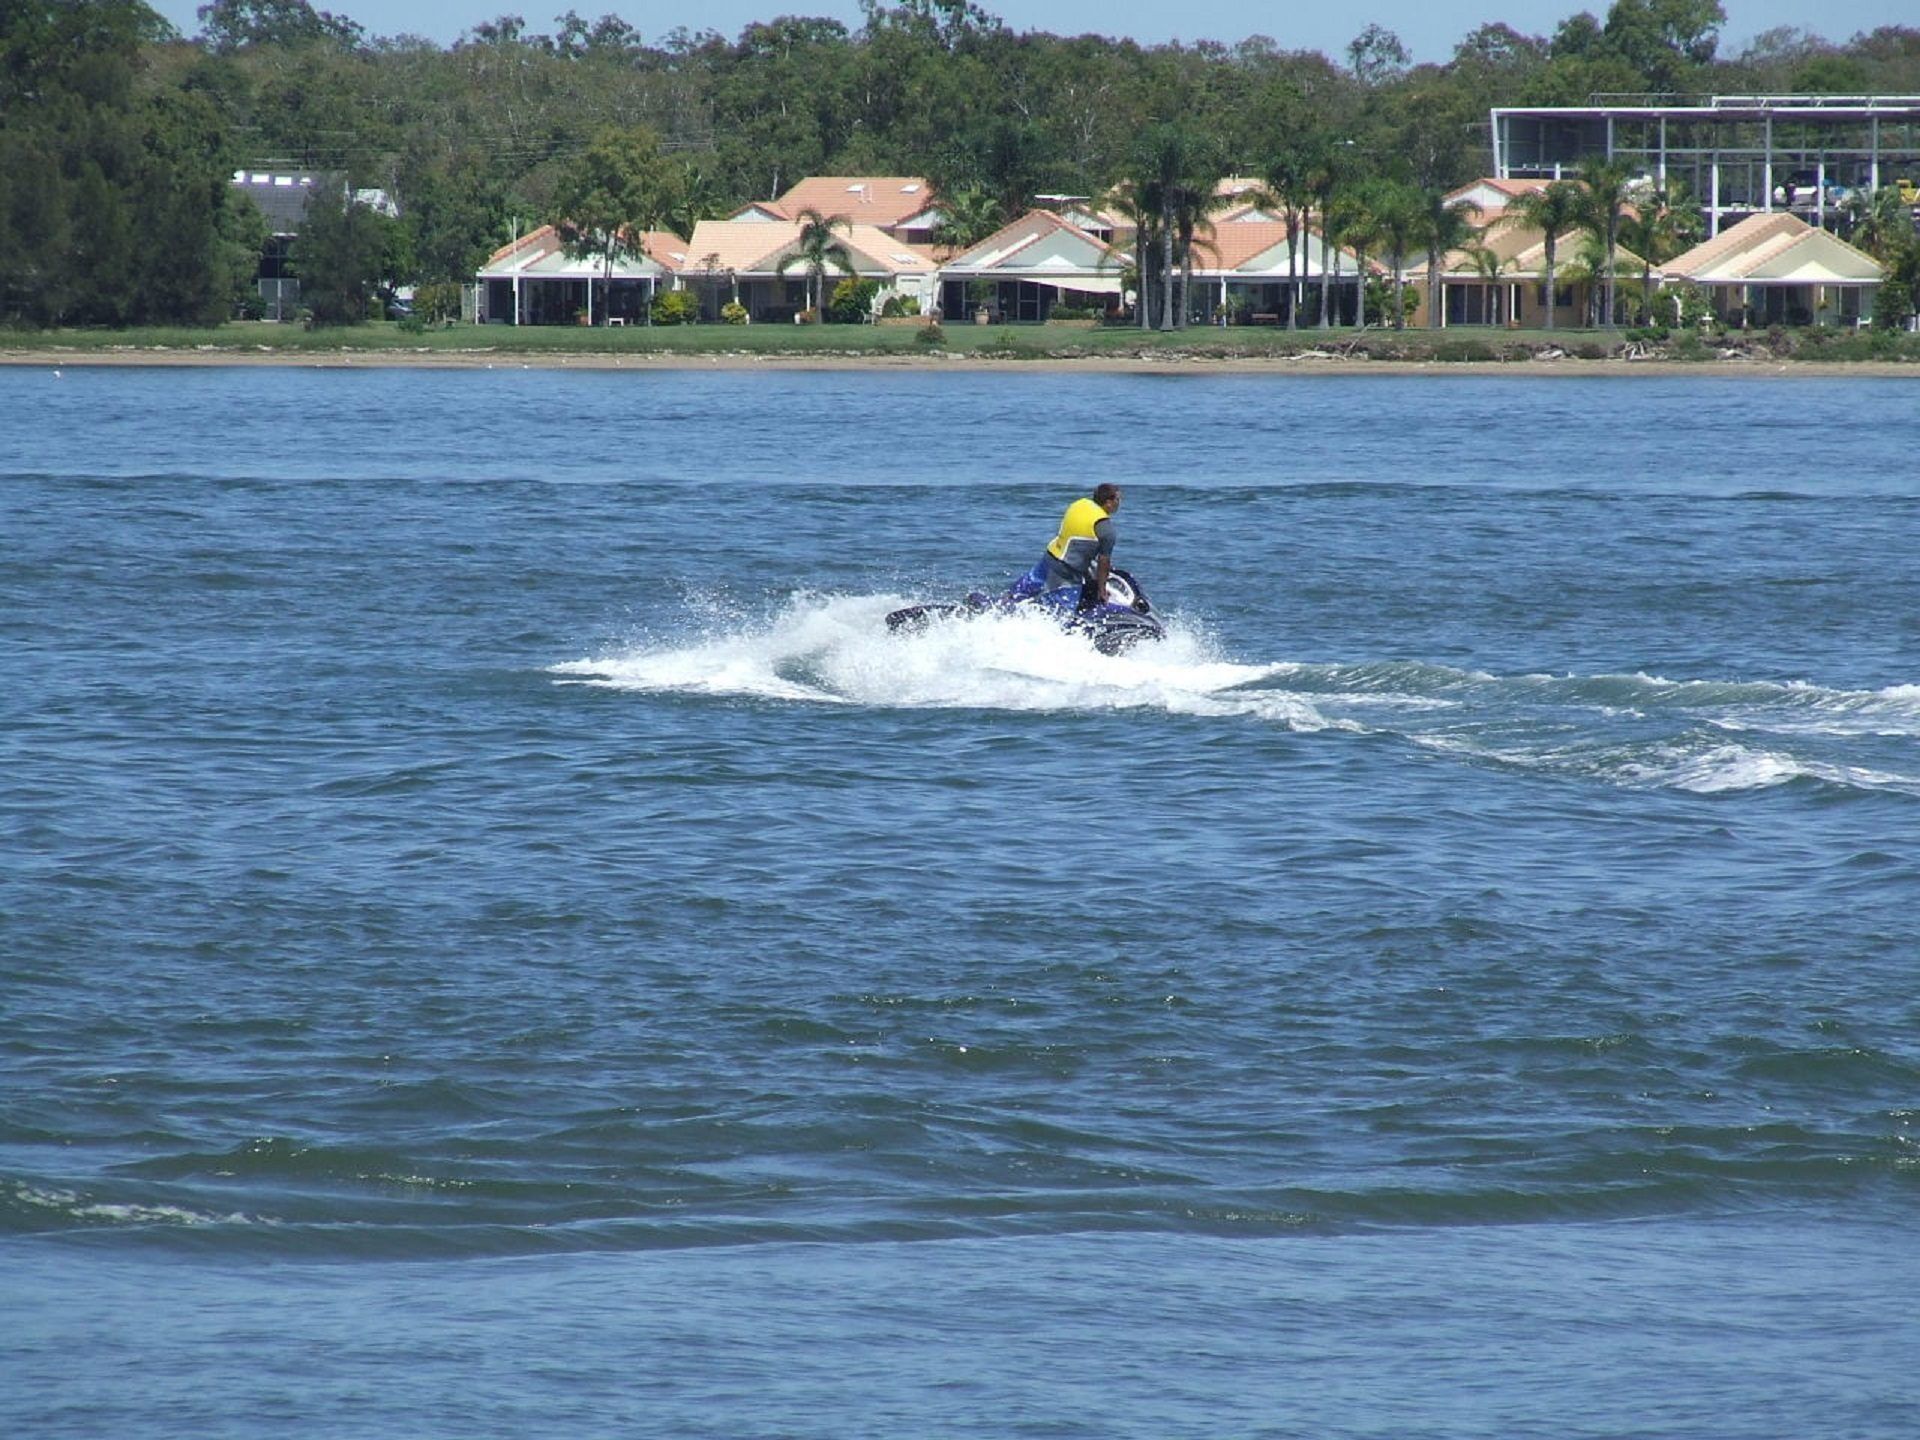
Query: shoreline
(52, 358)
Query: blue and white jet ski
(1123, 621)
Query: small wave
(38, 1207)
(1726, 768)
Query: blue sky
(1429, 28)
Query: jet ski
(1123, 621)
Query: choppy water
(495, 938)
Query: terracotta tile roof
(1235, 244)
(864, 199)
(1232, 243)
(755, 247)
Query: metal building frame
(1737, 154)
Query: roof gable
(1038, 241)
(1492, 194)
(1779, 247)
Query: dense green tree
(231, 24)
(341, 255)
(622, 186)
(116, 137)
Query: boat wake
(1706, 737)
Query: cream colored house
(1244, 269)
(1024, 270)
(1500, 278)
(740, 260)
(534, 281)
(1776, 269)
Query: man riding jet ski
(1074, 581)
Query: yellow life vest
(1076, 544)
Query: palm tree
(1400, 212)
(1140, 205)
(967, 217)
(1606, 186)
(1883, 226)
(1552, 211)
(1446, 226)
(816, 249)
(1588, 265)
(1350, 218)
(1487, 264)
(1330, 174)
(1168, 195)
(1663, 223)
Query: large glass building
(1737, 155)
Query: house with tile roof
(1500, 278)
(1244, 270)
(1026, 269)
(534, 281)
(741, 259)
(902, 205)
(1776, 269)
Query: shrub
(1072, 312)
(1464, 350)
(676, 307)
(437, 304)
(931, 335)
(900, 305)
(253, 307)
(734, 313)
(852, 301)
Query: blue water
(497, 939)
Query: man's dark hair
(1104, 492)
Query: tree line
(118, 134)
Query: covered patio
(1246, 273)
(534, 281)
(1027, 270)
